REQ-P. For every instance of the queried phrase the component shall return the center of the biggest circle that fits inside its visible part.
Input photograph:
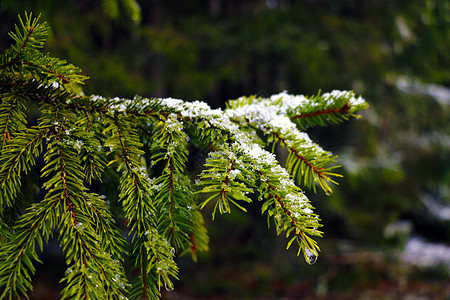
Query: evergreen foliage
(87, 139)
(131, 7)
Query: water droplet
(310, 256)
(168, 285)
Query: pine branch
(306, 160)
(251, 159)
(293, 214)
(175, 203)
(26, 55)
(320, 110)
(12, 117)
(30, 36)
(150, 249)
(154, 258)
(4, 232)
(329, 111)
(16, 255)
(18, 156)
(223, 179)
(199, 236)
(91, 267)
(83, 139)
(180, 221)
(93, 273)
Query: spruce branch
(306, 160)
(16, 255)
(199, 236)
(93, 273)
(150, 249)
(222, 178)
(4, 232)
(110, 236)
(12, 117)
(251, 159)
(322, 109)
(29, 36)
(18, 156)
(25, 55)
(144, 143)
(291, 213)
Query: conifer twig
(139, 147)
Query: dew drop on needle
(310, 256)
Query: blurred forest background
(387, 225)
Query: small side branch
(343, 109)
